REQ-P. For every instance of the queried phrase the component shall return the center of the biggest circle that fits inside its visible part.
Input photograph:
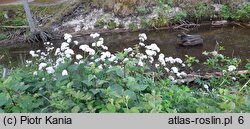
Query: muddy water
(236, 42)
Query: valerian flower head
(41, 66)
(157, 65)
(68, 37)
(150, 53)
(161, 59)
(79, 57)
(153, 47)
(91, 51)
(112, 58)
(69, 52)
(57, 51)
(170, 59)
(171, 78)
(105, 55)
(33, 54)
(174, 69)
(167, 70)
(140, 63)
(64, 46)
(178, 60)
(84, 47)
(214, 53)
(231, 68)
(76, 42)
(142, 37)
(104, 47)
(95, 35)
(98, 43)
(50, 70)
(64, 72)
(141, 44)
(128, 49)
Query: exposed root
(38, 36)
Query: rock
(189, 40)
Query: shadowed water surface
(236, 42)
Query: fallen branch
(238, 24)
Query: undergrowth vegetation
(137, 79)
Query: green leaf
(118, 71)
(117, 89)
(247, 101)
(73, 68)
(91, 77)
(111, 108)
(3, 99)
(133, 84)
(130, 94)
(75, 109)
(227, 105)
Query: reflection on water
(235, 40)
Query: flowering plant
(137, 79)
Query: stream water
(235, 40)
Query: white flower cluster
(33, 54)
(143, 37)
(105, 55)
(100, 57)
(95, 35)
(87, 49)
(99, 43)
(128, 49)
(152, 51)
(231, 68)
(68, 37)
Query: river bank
(132, 15)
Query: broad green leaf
(118, 71)
(111, 108)
(91, 77)
(133, 84)
(227, 105)
(3, 99)
(117, 89)
(73, 68)
(130, 94)
(75, 109)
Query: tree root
(38, 36)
